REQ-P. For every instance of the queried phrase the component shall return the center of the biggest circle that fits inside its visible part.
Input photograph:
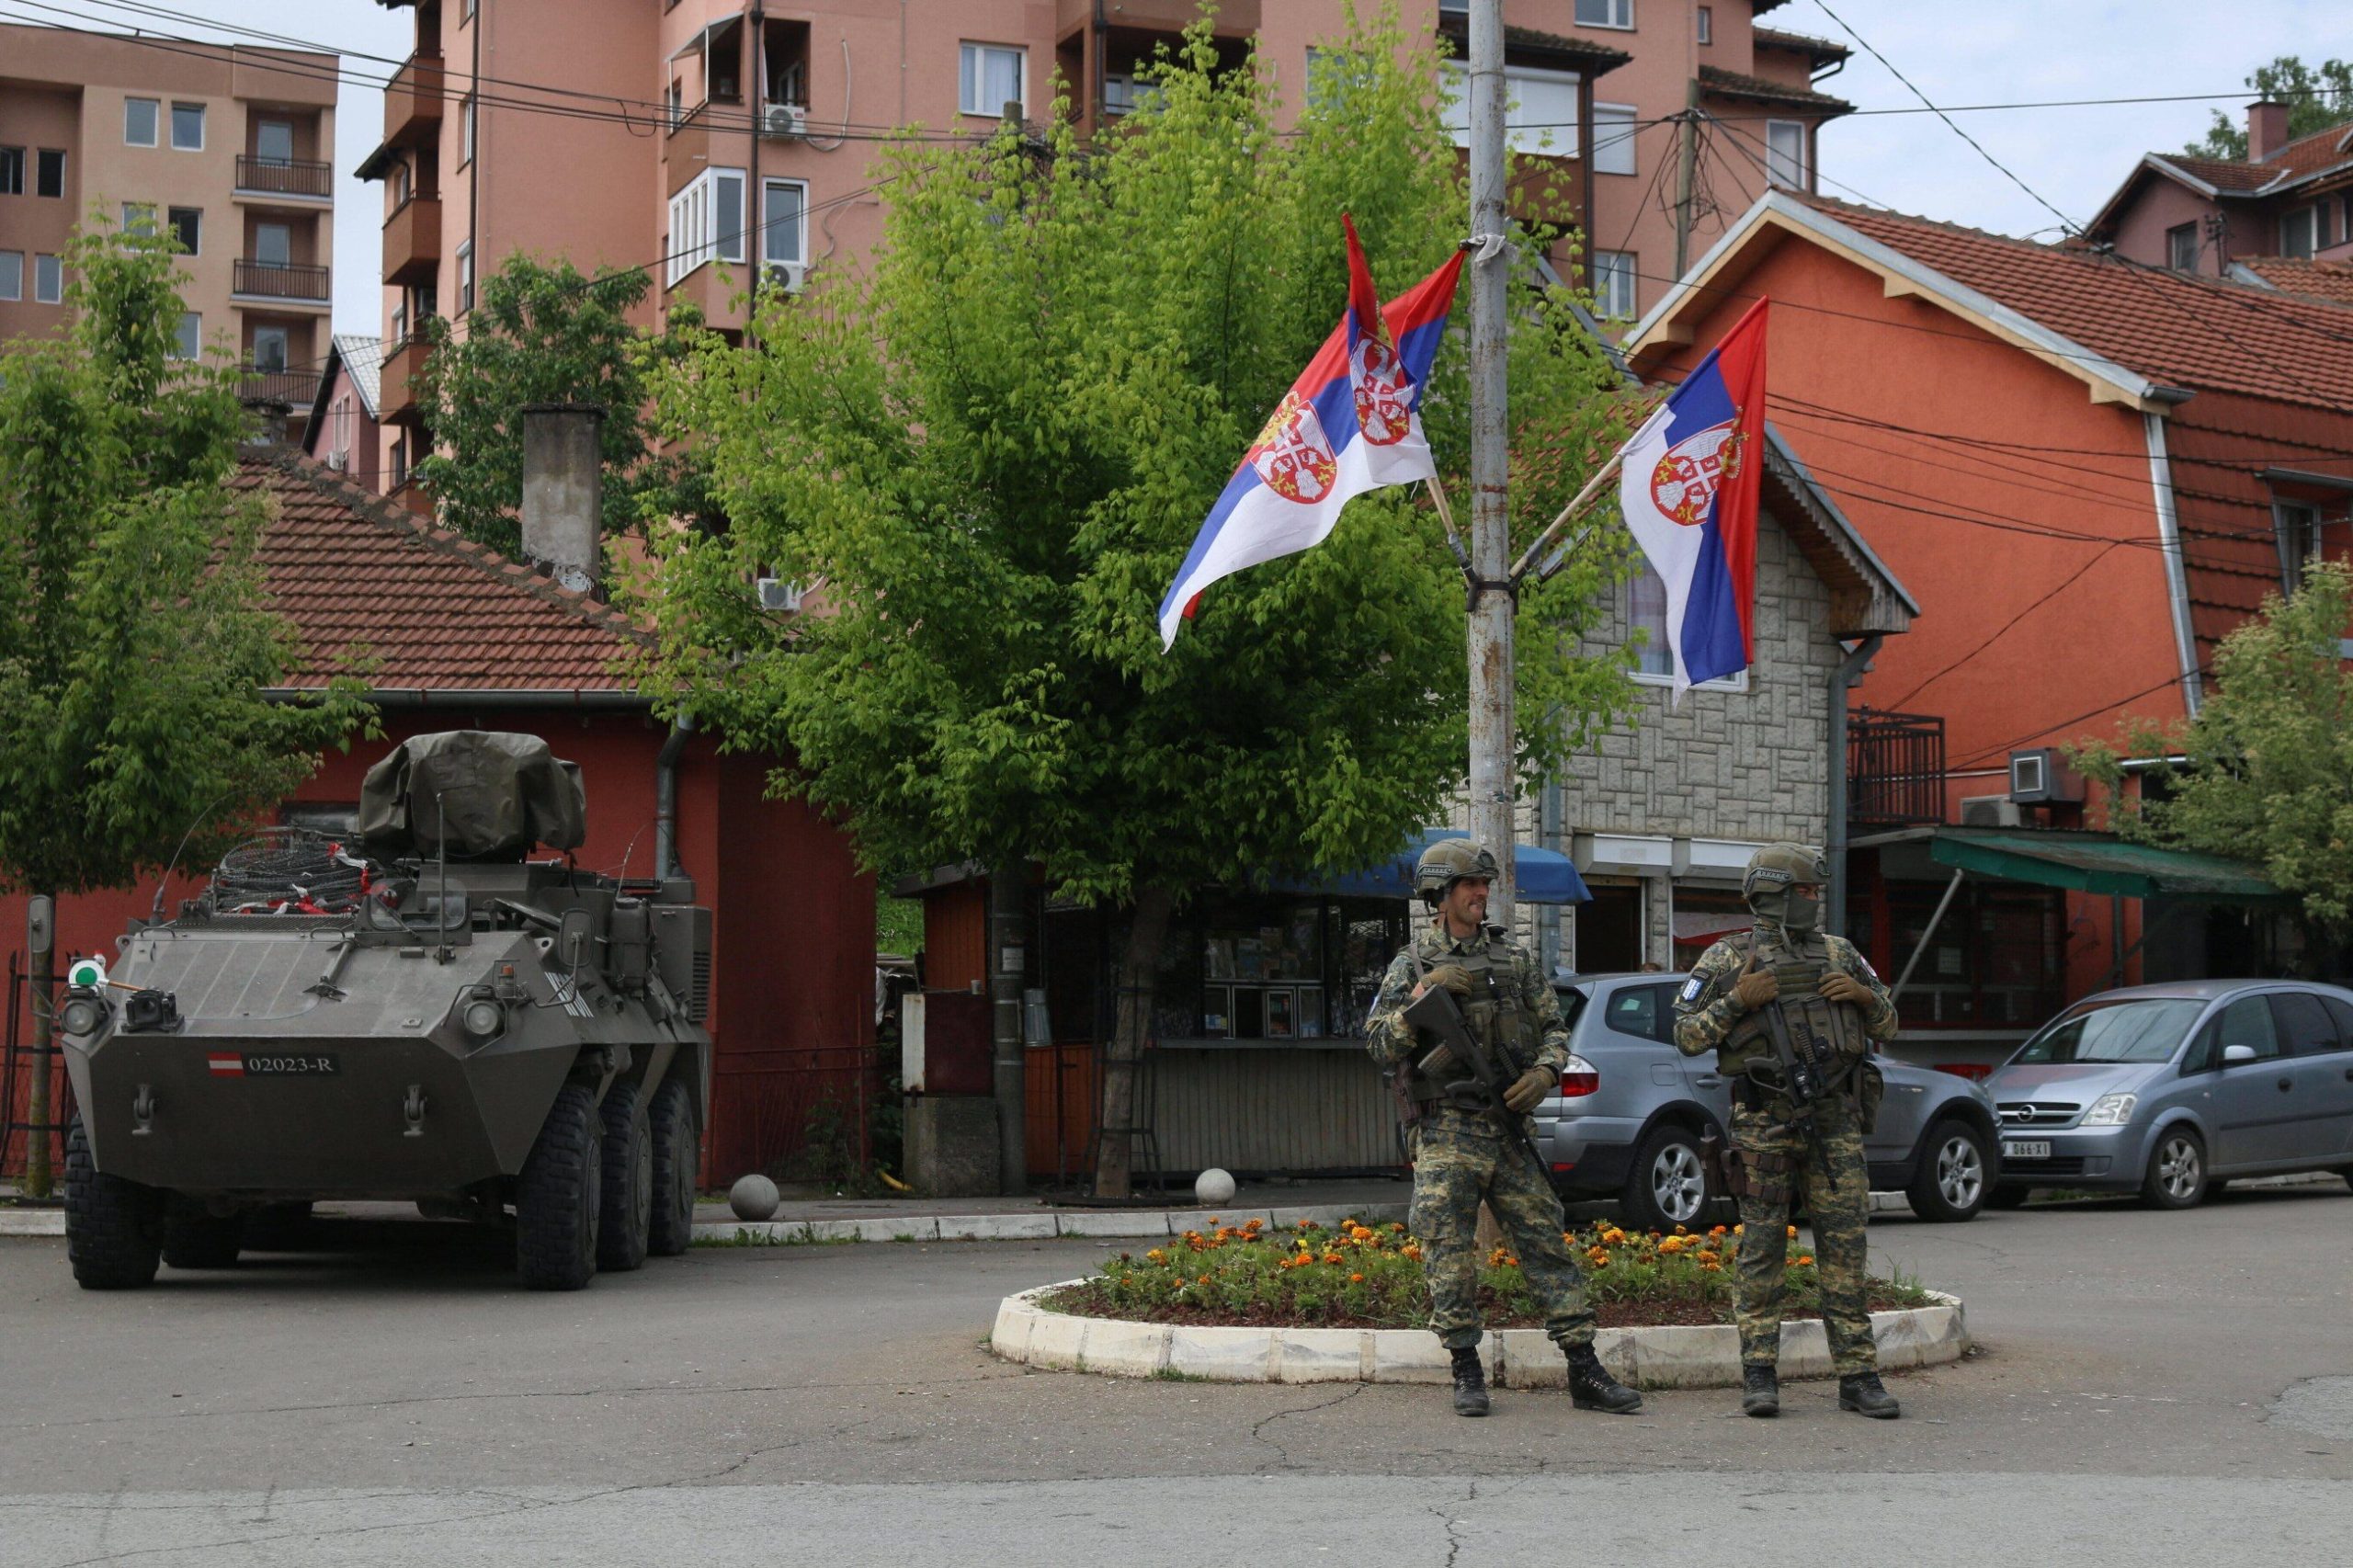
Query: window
(2300, 233)
(1785, 153)
(400, 461)
(1707, 24)
(274, 141)
(784, 211)
(991, 78)
(187, 127)
(50, 179)
(465, 278)
(269, 350)
(274, 244)
(1646, 1012)
(140, 118)
(727, 202)
(1646, 608)
(466, 131)
(399, 324)
(12, 170)
(402, 188)
(1607, 13)
(1613, 139)
(1613, 284)
(188, 342)
(2304, 1025)
(138, 217)
(1541, 116)
(1123, 95)
(12, 275)
(2247, 1022)
(48, 280)
(2181, 247)
(706, 222)
(187, 227)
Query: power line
(2000, 632)
(1982, 754)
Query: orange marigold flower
(1715, 1229)
(1411, 1250)
(1670, 1246)
(1202, 1280)
(1713, 1267)
(1156, 1256)
(1707, 1257)
(1736, 1230)
(1331, 1257)
(1806, 1261)
(1681, 1232)
(1356, 1279)
(1793, 1233)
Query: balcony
(302, 179)
(412, 241)
(396, 381)
(1895, 770)
(414, 101)
(1236, 19)
(296, 389)
(294, 282)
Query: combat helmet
(1449, 862)
(1774, 873)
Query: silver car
(1631, 1109)
(2171, 1090)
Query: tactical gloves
(1453, 976)
(1841, 986)
(1529, 1089)
(1756, 988)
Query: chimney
(2267, 129)
(562, 490)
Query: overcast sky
(1989, 51)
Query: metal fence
(285, 176)
(280, 279)
(1895, 770)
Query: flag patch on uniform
(1692, 987)
(225, 1063)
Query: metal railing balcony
(284, 177)
(1895, 770)
(282, 280)
(297, 389)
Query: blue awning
(1546, 876)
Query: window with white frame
(1542, 114)
(1785, 153)
(1613, 138)
(2300, 232)
(991, 78)
(188, 343)
(48, 280)
(141, 118)
(270, 348)
(706, 222)
(187, 227)
(273, 142)
(1606, 13)
(1646, 609)
(138, 217)
(1613, 284)
(784, 217)
(12, 170)
(465, 278)
(466, 131)
(1124, 95)
(187, 127)
(1707, 24)
(12, 275)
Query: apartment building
(226, 147)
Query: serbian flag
(1688, 485)
(1349, 425)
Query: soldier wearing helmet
(1460, 1156)
(1826, 996)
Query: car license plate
(2039, 1149)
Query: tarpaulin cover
(494, 792)
(1545, 875)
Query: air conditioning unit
(779, 593)
(2041, 776)
(1989, 811)
(789, 277)
(339, 461)
(785, 119)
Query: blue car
(2170, 1091)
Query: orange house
(2094, 470)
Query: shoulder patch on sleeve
(1692, 987)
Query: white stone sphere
(1213, 1186)
(753, 1198)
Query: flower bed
(1358, 1276)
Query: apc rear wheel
(559, 1194)
(677, 1157)
(194, 1239)
(628, 1181)
(113, 1227)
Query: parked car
(2171, 1090)
(1631, 1109)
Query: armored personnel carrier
(422, 1014)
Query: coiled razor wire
(288, 870)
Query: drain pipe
(1842, 680)
(666, 798)
(1548, 915)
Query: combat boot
(1862, 1393)
(1470, 1383)
(1760, 1391)
(1592, 1388)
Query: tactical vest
(1831, 1032)
(1497, 1015)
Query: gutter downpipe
(2193, 690)
(666, 798)
(1548, 915)
(1842, 680)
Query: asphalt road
(2152, 1387)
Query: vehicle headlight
(82, 1015)
(482, 1019)
(2110, 1110)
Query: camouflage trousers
(1794, 1168)
(1460, 1160)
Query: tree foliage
(2317, 98)
(2268, 768)
(134, 634)
(542, 331)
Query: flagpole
(1577, 504)
(1446, 518)
(1488, 638)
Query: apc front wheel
(628, 1181)
(677, 1157)
(558, 1197)
(113, 1227)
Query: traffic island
(1239, 1305)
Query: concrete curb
(32, 1222)
(1663, 1358)
(1038, 1224)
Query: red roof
(2222, 174)
(377, 593)
(2330, 280)
(2309, 154)
(2178, 331)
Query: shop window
(1702, 917)
(1280, 968)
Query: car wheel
(2176, 1175)
(2007, 1195)
(1951, 1185)
(677, 1158)
(113, 1228)
(559, 1193)
(1668, 1187)
(194, 1239)
(628, 1203)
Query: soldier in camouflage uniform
(1831, 1007)
(1460, 1156)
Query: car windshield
(2144, 1029)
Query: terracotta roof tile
(2331, 280)
(1801, 43)
(2222, 174)
(375, 592)
(2310, 155)
(1733, 85)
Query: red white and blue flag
(1349, 425)
(1688, 485)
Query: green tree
(2317, 98)
(134, 636)
(2268, 768)
(991, 457)
(542, 331)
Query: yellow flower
(1681, 1232)
(1614, 1236)
(1156, 1256)
(1793, 1233)
(1736, 1230)
(1670, 1246)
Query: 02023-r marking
(231, 1064)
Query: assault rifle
(1437, 1011)
(1801, 1082)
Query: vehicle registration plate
(273, 1065)
(2039, 1149)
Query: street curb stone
(1042, 1224)
(1697, 1356)
(32, 1222)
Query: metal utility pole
(1490, 637)
(1686, 176)
(1007, 933)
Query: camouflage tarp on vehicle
(498, 794)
